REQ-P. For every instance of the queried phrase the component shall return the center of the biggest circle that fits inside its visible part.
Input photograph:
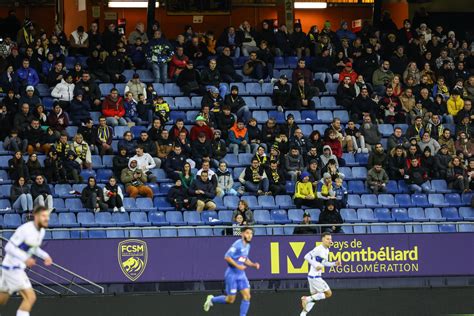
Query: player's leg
(4, 298)
(319, 291)
(245, 304)
(230, 289)
(29, 299)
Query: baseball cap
(30, 88)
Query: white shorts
(13, 281)
(317, 285)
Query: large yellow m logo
(296, 253)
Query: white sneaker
(261, 81)
(96, 210)
(116, 209)
(122, 209)
(359, 150)
(208, 304)
(280, 108)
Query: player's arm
(43, 255)
(249, 263)
(232, 262)
(309, 257)
(13, 248)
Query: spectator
(249, 38)
(90, 90)
(20, 196)
(238, 138)
(244, 210)
(58, 119)
(301, 95)
(470, 174)
(237, 104)
(175, 162)
(396, 163)
(230, 39)
(457, 177)
(305, 227)
(197, 51)
(357, 140)
(304, 193)
(281, 93)
(36, 138)
(178, 63)
(377, 179)
(92, 196)
(145, 163)
(211, 77)
(254, 179)
(178, 196)
(96, 65)
(382, 77)
(25, 77)
(340, 193)
(362, 105)
(113, 109)
(72, 168)
(225, 65)
(134, 180)
(237, 225)
(78, 42)
(445, 139)
(417, 178)
(82, 151)
(336, 147)
(256, 68)
(203, 191)
(201, 149)
(104, 136)
(131, 110)
(29, 97)
(465, 145)
(41, 194)
(377, 157)
(302, 72)
(64, 91)
(276, 178)
(14, 143)
(189, 80)
(53, 168)
(138, 33)
(370, 132)
(113, 195)
(428, 142)
(159, 55)
(186, 176)
(225, 182)
(299, 41)
(348, 72)
(34, 167)
(346, 92)
(79, 110)
(294, 163)
(219, 148)
(164, 147)
(331, 216)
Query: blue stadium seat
(104, 219)
(466, 198)
(467, 213)
(231, 202)
(253, 88)
(192, 218)
(74, 205)
(103, 175)
(97, 234)
(314, 213)
(360, 229)
(97, 162)
(278, 116)
(420, 200)
(252, 201)
(175, 218)
(366, 215)
(387, 200)
(295, 215)
(43, 90)
(183, 103)
(162, 204)
(61, 234)
(434, 214)
(135, 233)
(267, 88)
(403, 200)
(267, 202)
(464, 228)
(284, 201)
(204, 232)
(396, 229)
(62, 190)
(349, 215)
(401, 215)
(171, 89)
(453, 199)
(279, 217)
(392, 187)
(86, 174)
(265, 103)
(417, 214)
(291, 62)
(386, 129)
(77, 188)
(370, 200)
(136, 130)
(232, 160)
(440, 186)
(150, 233)
(437, 200)
(115, 233)
(306, 129)
(325, 116)
(210, 218)
(105, 88)
(121, 87)
(195, 103)
(121, 219)
(350, 160)
(290, 187)
(160, 175)
(5, 191)
(177, 115)
(169, 232)
(250, 102)
(145, 204)
(139, 219)
(241, 86)
(348, 229)
(328, 103)
(383, 215)
(430, 228)
(260, 116)
(331, 87)
(244, 159)
(157, 219)
(186, 232)
(354, 201)
(357, 187)
(146, 76)
(262, 217)
(347, 172)
(379, 229)
(130, 204)
(343, 115)
(86, 219)
(451, 214)
(362, 159)
(225, 216)
(447, 228)
(359, 173)
(68, 220)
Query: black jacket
(37, 190)
(17, 168)
(208, 187)
(330, 217)
(87, 192)
(200, 150)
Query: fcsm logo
(132, 257)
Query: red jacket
(335, 145)
(176, 65)
(352, 74)
(196, 130)
(111, 108)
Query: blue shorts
(235, 283)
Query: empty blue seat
(284, 201)
(464, 228)
(451, 214)
(362, 159)
(225, 217)
(401, 215)
(453, 199)
(105, 88)
(253, 88)
(434, 214)
(325, 116)
(379, 229)
(279, 217)
(204, 232)
(11, 221)
(210, 218)
(129, 204)
(175, 218)
(260, 116)
(145, 204)
(157, 218)
(186, 232)
(5, 205)
(467, 198)
(359, 173)
(192, 218)
(430, 228)
(396, 229)
(86, 174)
(183, 103)
(354, 201)
(162, 204)
(328, 103)
(68, 220)
(387, 200)
(349, 158)
(104, 219)
(420, 200)
(121, 219)
(169, 232)
(262, 217)
(5, 191)
(467, 213)
(447, 228)
(74, 205)
(63, 190)
(347, 172)
(160, 175)
(440, 186)
(342, 115)
(386, 129)
(392, 187)
(265, 103)
(403, 200)
(366, 215)
(86, 219)
(145, 75)
(357, 187)
(115, 233)
(103, 175)
(232, 160)
(417, 214)
(295, 215)
(96, 234)
(278, 116)
(267, 202)
(331, 87)
(251, 201)
(370, 200)
(250, 102)
(150, 233)
(231, 202)
(437, 200)
(314, 213)
(360, 229)
(349, 215)
(383, 215)
(61, 234)
(139, 219)
(348, 229)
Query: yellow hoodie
(302, 190)
(454, 106)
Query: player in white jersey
(318, 259)
(23, 244)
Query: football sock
(309, 306)
(22, 313)
(244, 307)
(219, 300)
(318, 296)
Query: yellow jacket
(454, 106)
(302, 190)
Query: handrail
(67, 271)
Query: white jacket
(145, 162)
(63, 91)
(106, 193)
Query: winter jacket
(111, 108)
(207, 187)
(416, 175)
(250, 174)
(372, 135)
(224, 179)
(109, 189)
(59, 121)
(37, 190)
(90, 90)
(127, 178)
(247, 215)
(196, 130)
(88, 191)
(200, 150)
(26, 77)
(303, 189)
(174, 163)
(325, 159)
(16, 191)
(79, 110)
(63, 91)
(377, 158)
(330, 217)
(294, 163)
(374, 177)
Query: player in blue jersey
(235, 277)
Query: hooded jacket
(111, 108)
(114, 189)
(79, 110)
(325, 159)
(224, 179)
(126, 176)
(63, 91)
(58, 121)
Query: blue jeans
(23, 202)
(112, 121)
(160, 72)
(244, 113)
(235, 148)
(448, 119)
(136, 120)
(14, 146)
(222, 89)
(424, 187)
(254, 187)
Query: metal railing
(57, 280)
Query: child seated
(162, 109)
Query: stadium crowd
(420, 74)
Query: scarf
(104, 133)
